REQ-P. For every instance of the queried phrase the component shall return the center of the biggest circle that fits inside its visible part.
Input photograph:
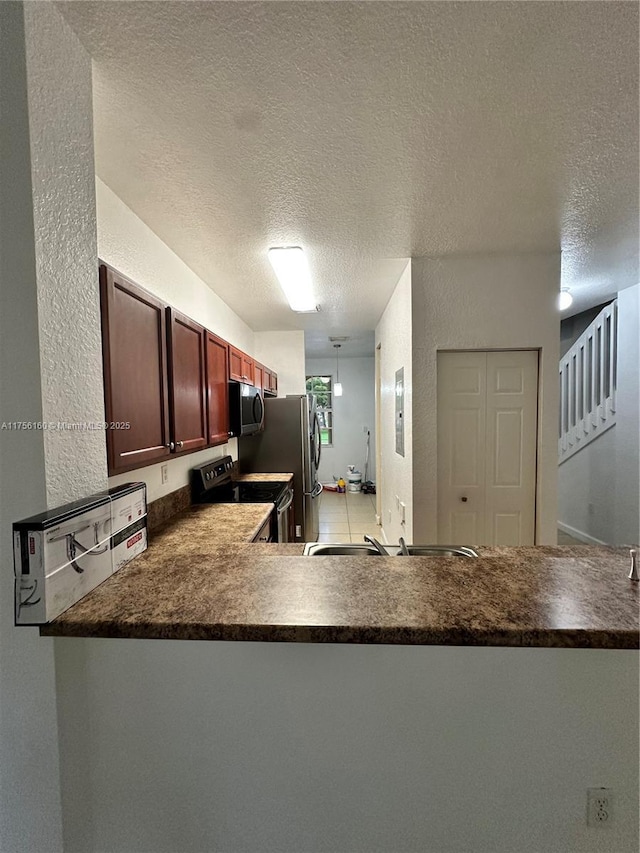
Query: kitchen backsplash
(164, 508)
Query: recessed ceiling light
(565, 299)
(290, 265)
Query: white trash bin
(354, 481)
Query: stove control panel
(211, 474)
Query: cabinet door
(217, 352)
(240, 366)
(274, 384)
(135, 373)
(259, 376)
(187, 382)
(235, 364)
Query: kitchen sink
(437, 551)
(355, 549)
(337, 549)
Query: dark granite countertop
(200, 579)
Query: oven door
(283, 508)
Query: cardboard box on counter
(62, 554)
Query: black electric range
(212, 483)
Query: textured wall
(351, 413)
(484, 302)
(396, 475)
(50, 369)
(61, 138)
(284, 353)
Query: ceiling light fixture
(337, 385)
(290, 265)
(565, 299)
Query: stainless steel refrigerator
(290, 442)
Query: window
(322, 386)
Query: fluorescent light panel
(290, 265)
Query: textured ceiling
(370, 133)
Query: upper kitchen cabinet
(258, 375)
(217, 362)
(135, 373)
(270, 386)
(187, 382)
(240, 366)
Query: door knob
(464, 500)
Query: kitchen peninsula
(201, 580)
(374, 702)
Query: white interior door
(487, 435)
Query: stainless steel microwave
(246, 409)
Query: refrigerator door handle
(317, 441)
(315, 492)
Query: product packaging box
(128, 523)
(62, 554)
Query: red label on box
(131, 542)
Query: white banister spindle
(588, 378)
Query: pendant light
(337, 386)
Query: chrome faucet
(379, 548)
(403, 547)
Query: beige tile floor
(347, 517)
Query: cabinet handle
(230, 434)
(180, 443)
(171, 446)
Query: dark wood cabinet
(135, 373)
(240, 366)
(187, 382)
(166, 377)
(217, 362)
(270, 386)
(258, 375)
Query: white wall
(484, 302)
(599, 486)
(127, 244)
(587, 491)
(229, 747)
(627, 428)
(395, 337)
(284, 353)
(352, 412)
(50, 369)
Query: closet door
(487, 437)
(512, 414)
(462, 405)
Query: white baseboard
(578, 534)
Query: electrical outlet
(164, 473)
(599, 806)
